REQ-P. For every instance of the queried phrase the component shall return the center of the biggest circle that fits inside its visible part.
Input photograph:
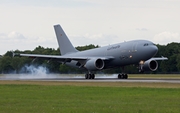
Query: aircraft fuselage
(130, 52)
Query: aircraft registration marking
(113, 47)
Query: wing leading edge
(159, 58)
(63, 59)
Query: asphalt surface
(150, 80)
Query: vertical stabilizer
(65, 45)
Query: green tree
(5, 65)
(14, 64)
(171, 51)
(178, 62)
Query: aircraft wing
(159, 58)
(62, 59)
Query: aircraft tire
(119, 76)
(122, 76)
(125, 76)
(86, 76)
(93, 76)
(89, 76)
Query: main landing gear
(122, 76)
(89, 76)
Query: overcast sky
(26, 24)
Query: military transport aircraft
(138, 52)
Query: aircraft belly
(117, 63)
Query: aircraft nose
(154, 49)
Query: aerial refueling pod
(150, 65)
(94, 64)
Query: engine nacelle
(94, 64)
(150, 65)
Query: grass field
(88, 97)
(67, 98)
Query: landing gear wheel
(125, 76)
(122, 76)
(89, 76)
(93, 76)
(119, 76)
(86, 76)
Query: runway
(98, 79)
(108, 80)
(111, 80)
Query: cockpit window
(146, 44)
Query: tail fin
(65, 45)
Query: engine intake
(94, 64)
(150, 65)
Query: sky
(25, 25)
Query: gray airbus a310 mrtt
(139, 52)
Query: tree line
(10, 64)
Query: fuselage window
(146, 44)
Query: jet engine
(149, 65)
(94, 64)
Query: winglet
(65, 45)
